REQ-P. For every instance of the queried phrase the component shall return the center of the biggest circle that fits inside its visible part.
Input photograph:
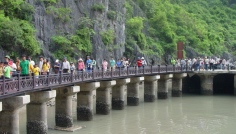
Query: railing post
(3, 85)
(228, 67)
(143, 69)
(151, 69)
(213, 67)
(33, 81)
(82, 75)
(93, 74)
(71, 76)
(127, 70)
(135, 70)
(173, 68)
(159, 68)
(102, 73)
(181, 67)
(60, 77)
(166, 68)
(111, 72)
(18, 76)
(199, 68)
(119, 71)
(48, 79)
(186, 66)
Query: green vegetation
(108, 37)
(207, 26)
(16, 31)
(98, 7)
(49, 2)
(60, 13)
(80, 41)
(111, 15)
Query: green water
(183, 115)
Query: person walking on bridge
(25, 66)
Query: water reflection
(184, 115)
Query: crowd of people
(207, 63)
(28, 67)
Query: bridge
(97, 93)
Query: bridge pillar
(163, 86)
(63, 114)
(177, 84)
(37, 112)
(9, 116)
(150, 88)
(119, 94)
(86, 101)
(135, 92)
(104, 93)
(206, 84)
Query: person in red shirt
(139, 62)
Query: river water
(190, 114)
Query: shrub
(108, 37)
(59, 13)
(111, 15)
(98, 7)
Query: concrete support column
(119, 94)
(135, 92)
(63, 114)
(86, 101)
(177, 84)
(150, 88)
(206, 84)
(104, 93)
(9, 116)
(163, 86)
(37, 112)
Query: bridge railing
(20, 85)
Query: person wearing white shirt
(65, 66)
(41, 64)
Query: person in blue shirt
(88, 64)
(119, 64)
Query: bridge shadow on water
(223, 84)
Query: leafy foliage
(108, 37)
(16, 32)
(98, 7)
(60, 13)
(111, 15)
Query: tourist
(25, 66)
(211, 61)
(119, 64)
(36, 71)
(223, 64)
(18, 69)
(88, 64)
(173, 62)
(144, 63)
(139, 62)
(45, 67)
(7, 70)
(93, 64)
(57, 66)
(104, 65)
(112, 63)
(31, 61)
(7, 58)
(14, 72)
(206, 61)
(65, 66)
(81, 66)
(72, 67)
(40, 65)
(1, 69)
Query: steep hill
(105, 28)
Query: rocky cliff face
(47, 26)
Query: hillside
(105, 28)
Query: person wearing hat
(81, 66)
(57, 66)
(7, 58)
(65, 65)
(25, 66)
(7, 70)
(144, 63)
